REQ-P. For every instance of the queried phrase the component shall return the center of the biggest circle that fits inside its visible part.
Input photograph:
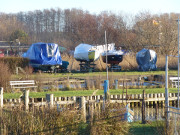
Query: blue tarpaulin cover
(146, 60)
(44, 54)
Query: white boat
(114, 57)
(90, 53)
(86, 52)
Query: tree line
(70, 27)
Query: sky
(93, 6)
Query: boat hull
(89, 56)
(112, 59)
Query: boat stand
(115, 68)
(87, 67)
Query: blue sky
(93, 6)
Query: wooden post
(17, 70)
(83, 108)
(143, 108)
(49, 99)
(116, 84)
(1, 97)
(59, 98)
(32, 100)
(26, 99)
(156, 112)
(91, 109)
(19, 100)
(123, 92)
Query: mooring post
(116, 84)
(106, 84)
(26, 99)
(1, 97)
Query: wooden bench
(25, 84)
(174, 81)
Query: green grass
(62, 93)
(11, 95)
(56, 75)
(136, 128)
(140, 91)
(87, 93)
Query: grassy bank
(87, 93)
(122, 73)
(137, 128)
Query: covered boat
(146, 60)
(86, 53)
(44, 56)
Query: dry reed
(128, 64)
(65, 121)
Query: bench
(174, 81)
(25, 84)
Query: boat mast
(106, 58)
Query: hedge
(13, 62)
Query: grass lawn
(57, 75)
(89, 92)
(150, 128)
(86, 93)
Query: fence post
(143, 108)
(26, 99)
(83, 108)
(116, 84)
(49, 99)
(1, 97)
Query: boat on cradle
(90, 53)
(86, 53)
(45, 57)
(114, 57)
(146, 60)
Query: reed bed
(128, 64)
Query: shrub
(13, 62)
(4, 76)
